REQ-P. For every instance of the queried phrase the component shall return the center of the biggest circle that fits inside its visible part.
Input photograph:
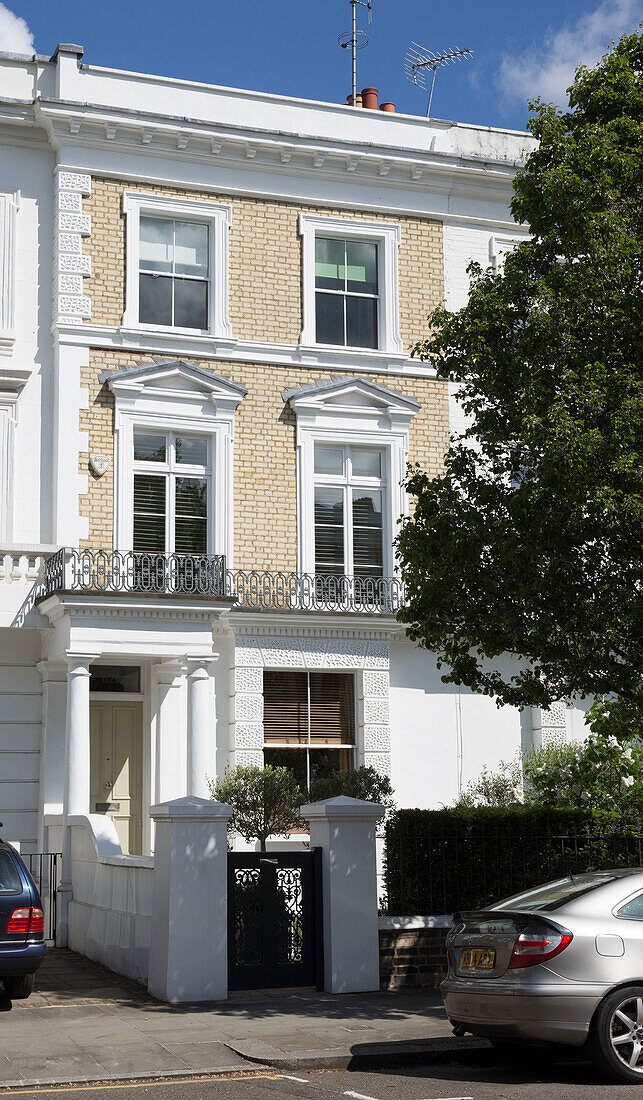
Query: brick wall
(265, 262)
(411, 958)
(265, 489)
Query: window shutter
(285, 708)
(332, 709)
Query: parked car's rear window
(9, 878)
(557, 893)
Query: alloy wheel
(626, 1033)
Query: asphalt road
(473, 1076)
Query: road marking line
(360, 1096)
(287, 1077)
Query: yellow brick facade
(265, 305)
(265, 262)
(265, 487)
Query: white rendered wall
(20, 728)
(110, 915)
(441, 736)
(29, 171)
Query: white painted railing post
(344, 828)
(189, 933)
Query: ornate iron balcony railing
(116, 571)
(259, 590)
(123, 571)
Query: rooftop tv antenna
(356, 39)
(418, 60)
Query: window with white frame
(346, 292)
(309, 723)
(174, 273)
(350, 505)
(177, 264)
(171, 482)
(350, 284)
(352, 450)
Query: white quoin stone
(189, 935)
(344, 828)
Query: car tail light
(37, 922)
(18, 923)
(537, 946)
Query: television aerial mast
(418, 60)
(356, 39)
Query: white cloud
(548, 70)
(15, 36)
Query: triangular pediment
(342, 394)
(172, 376)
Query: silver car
(560, 963)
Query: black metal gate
(275, 920)
(45, 869)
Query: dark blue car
(22, 946)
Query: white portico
(140, 706)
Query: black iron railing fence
(438, 873)
(205, 575)
(45, 869)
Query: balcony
(116, 572)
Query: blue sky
(522, 48)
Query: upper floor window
(174, 273)
(350, 284)
(171, 491)
(177, 264)
(346, 292)
(349, 508)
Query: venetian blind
(301, 708)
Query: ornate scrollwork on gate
(290, 929)
(247, 916)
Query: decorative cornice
(177, 138)
(299, 625)
(238, 351)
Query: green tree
(530, 542)
(265, 801)
(365, 783)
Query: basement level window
(115, 678)
(309, 723)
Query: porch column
(77, 749)
(200, 725)
(170, 731)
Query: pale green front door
(116, 769)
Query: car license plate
(481, 958)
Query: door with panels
(116, 768)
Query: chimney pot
(387, 107)
(369, 98)
(358, 99)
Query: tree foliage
(365, 783)
(530, 541)
(265, 801)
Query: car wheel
(615, 1042)
(19, 988)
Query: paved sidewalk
(84, 1023)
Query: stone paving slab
(84, 1023)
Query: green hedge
(440, 861)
